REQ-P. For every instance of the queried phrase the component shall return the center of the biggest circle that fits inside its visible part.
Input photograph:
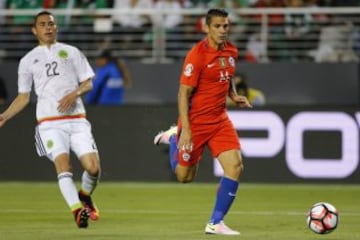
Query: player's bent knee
(93, 169)
(241, 168)
(185, 174)
(91, 164)
(62, 163)
(184, 179)
(240, 171)
(234, 171)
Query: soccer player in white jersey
(60, 74)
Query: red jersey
(209, 72)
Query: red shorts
(219, 137)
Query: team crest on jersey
(49, 143)
(222, 62)
(189, 68)
(232, 61)
(63, 54)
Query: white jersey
(55, 71)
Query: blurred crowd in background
(180, 3)
(285, 36)
(289, 36)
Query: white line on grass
(168, 212)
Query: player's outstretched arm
(18, 104)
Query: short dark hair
(215, 12)
(40, 14)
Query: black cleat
(81, 217)
(89, 205)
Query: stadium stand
(332, 35)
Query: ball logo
(186, 157)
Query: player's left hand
(242, 101)
(67, 102)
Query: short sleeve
(25, 78)
(82, 66)
(191, 69)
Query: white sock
(88, 182)
(68, 190)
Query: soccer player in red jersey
(205, 83)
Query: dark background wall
(282, 83)
(124, 136)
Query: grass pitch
(173, 211)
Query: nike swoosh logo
(212, 227)
(211, 65)
(231, 194)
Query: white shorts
(53, 138)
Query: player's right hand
(67, 102)
(185, 141)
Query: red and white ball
(322, 218)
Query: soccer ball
(322, 218)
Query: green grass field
(174, 211)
